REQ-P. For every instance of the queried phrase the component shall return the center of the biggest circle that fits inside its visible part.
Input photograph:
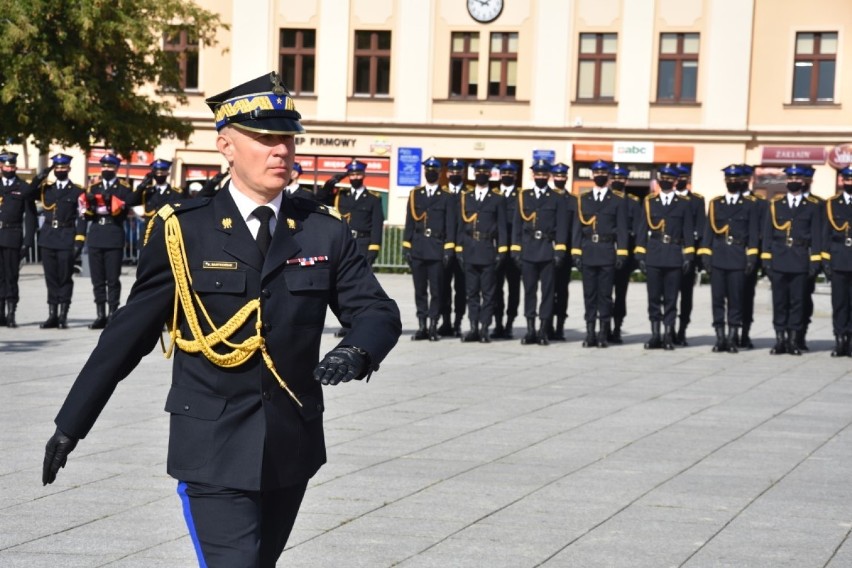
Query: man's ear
(225, 145)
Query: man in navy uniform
(729, 254)
(539, 243)
(453, 292)
(687, 283)
(792, 252)
(58, 242)
(245, 438)
(482, 245)
(362, 209)
(296, 188)
(154, 190)
(744, 183)
(508, 273)
(599, 248)
(103, 210)
(633, 211)
(562, 273)
(428, 245)
(807, 180)
(837, 263)
(665, 249)
(18, 221)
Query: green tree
(88, 72)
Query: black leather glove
(619, 262)
(56, 454)
(767, 269)
(342, 364)
(406, 256)
(559, 259)
(578, 263)
(516, 258)
(826, 268)
(813, 269)
(708, 268)
(643, 268)
(78, 251)
(749, 269)
(372, 255)
(686, 267)
(448, 257)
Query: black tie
(264, 236)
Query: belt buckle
(55, 223)
(102, 220)
(354, 233)
(537, 235)
(666, 239)
(788, 241)
(595, 237)
(428, 232)
(848, 242)
(475, 235)
(729, 239)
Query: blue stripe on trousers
(190, 523)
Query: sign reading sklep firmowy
(635, 152)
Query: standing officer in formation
(245, 439)
(729, 254)
(792, 252)
(807, 180)
(633, 211)
(508, 273)
(539, 237)
(665, 250)
(744, 184)
(58, 241)
(294, 187)
(482, 245)
(599, 248)
(154, 190)
(18, 221)
(562, 273)
(103, 210)
(428, 245)
(687, 283)
(837, 263)
(453, 292)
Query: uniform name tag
(219, 265)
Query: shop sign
(786, 155)
(633, 152)
(840, 156)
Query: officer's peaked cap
(431, 163)
(733, 170)
(541, 167)
(260, 105)
(356, 167)
(747, 169)
(668, 170)
(160, 164)
(482, 164)
(508, 166)
(110, 159)
(794, 170)
(559, 168)
(297, 167)
(619, 171)
(846, 172)
(455, 164)
(9, 158)
(683, 169)
(61, 160)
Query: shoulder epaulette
(779, 197)
(618, 193)
(684, 197)
(814, 199)
(835, 197)
(718, 198)
(749, 197)
(374, 193)
(633, 197)
(696, 194)
(495, 191)
(170, 209)
(307, 204)
(177, 189)
(557, 191)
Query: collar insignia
(227, 223)
(291, 224)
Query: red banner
(786, 155)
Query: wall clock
(484, 11)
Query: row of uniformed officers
(481, 242)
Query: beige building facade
(638, 82)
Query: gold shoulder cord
(527, 218)
(346, 216)
(724, 230)
(413, 209)
(786, 226)
(43, 204)
(465, 218)
(187, 298)
(844, 227)
(661, 226)
(593, 221)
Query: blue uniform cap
(260, 105)
(668, 170)
(619, 171)
(455, 164)
(599, 165)
(733, 170)
(809, 171)
(9, 158)
(846, 172)
(482, 164)
(683, 170)
(297, 167)
(747, 169)
(61, 160)
(508, 166)
(541, 166)
(110, 159)
(559, 168)
(356, 167)
(794, 170)
(159, 164)
(431, 163)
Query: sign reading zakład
(786, 155)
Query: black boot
(680, 338)
(721, 345)
(472, 335)
(733, 332)
(559, 331)
(101, 319)
(656, 342)
(530, 338)
(615, 336)
(62, 322)
(839, 349)
(793, 342)
(543, 332)
(457, 327)
(800, 339)
(847, 344)
(51, 320)
(498, 329)
(112, 309)
(745, 340)
(669, 338)
(590, 340)
(433, 330)
(11, 307)
(603, 333)
(446, 329)
(780, 346)
(507, 331)
(421, 332)
(3, 313)
(483, 336)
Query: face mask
(482, 179)
(541, 183)
(560, 183)
(160, 180)
(742, 185)
(617, 185)
(356, 183)
(665, 184)
(680, 185)
(600, 181)
(61, 176)
(794, 186)
(847, 187)
(455, 179)
(733, 186)
(108, 175)
(431, 176)
(8, 175)
(507, 180)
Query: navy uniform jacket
(107, 230)
(364, 216)
(17, 212)
(600, 229)
(837, 234)
(732, 232)
(699, 215)
(482, 230)
(152, 199)
(540, 227)
(666, 236)
(58, 232)
(792, 237)
(430, 224)
(304, 191)
(511, 209)
(236, 427)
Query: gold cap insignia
(227, 223)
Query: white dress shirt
(246, 207)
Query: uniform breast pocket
(193, 425)
(310, 287)
(219, 281)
